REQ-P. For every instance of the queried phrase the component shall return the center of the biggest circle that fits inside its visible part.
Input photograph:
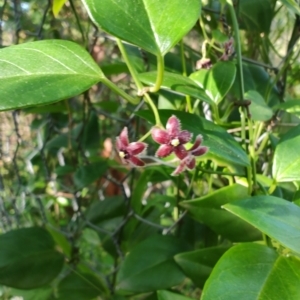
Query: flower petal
(197, 142)
(201, 150)
(179, 169)
(136, 148)
(173, 126)
(119, 144)
(180, 152)
(184, 136)
(124, 137)
(135, 161)
(190, 162)
(164, 150)
(160, 136)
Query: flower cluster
(171, 140)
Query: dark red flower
(129, 151)
(172, 139)
(189, 162)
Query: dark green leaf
(259, 110)
(35, 294)
(256, 15)
(86, 175)
(286, 164)
(61, 70)
(166, 295)
(28, 259)
(222, 146)
(198, 264)
(208, 210)
(217, 81)
(253, 272)
(150, 265)
(274, 216)
(155, 26)
(80, 285)
(178, 84)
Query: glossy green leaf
(150, 265)
(153, 25)
(286, 163)
(259, 110)
(86, 175)
(253, 272)
(178, 84)
(208, 210)
(80, 285)
(166, 295)
(222, 146)
(57, 6)
(28, 259)
(278, 218)
(217, 81)
(198, 264)
(61, 70)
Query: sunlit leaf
(278, 218)
(155, 26)
(286, 164)
(42, 72)
(253, 272)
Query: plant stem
(119, 91)
(132, 70)
(184, 73)
(250, 171)
(138, 83)
(160, 74)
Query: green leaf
(217, 81)
(208, 210)
(258, 79)
(259, 110)
(28, 259)
(85, 175)
(198, 264)
(286, 163)
(222, 146)
(166, 295)
(274, 216)
(177, 84)
(43, 72)
(153, 25)
(291, 5)
(256, 15)
(35, 294)
(253, 272)
(57, 6)
(80, 285)
(150, 265)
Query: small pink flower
(129, 151)
(189, 162)
(172, 139)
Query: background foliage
(76, 223)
